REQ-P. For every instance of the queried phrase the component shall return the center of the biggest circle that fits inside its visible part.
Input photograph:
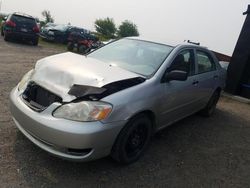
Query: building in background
(222, 57)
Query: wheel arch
(219, 89)
(150, 114)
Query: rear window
(23, 19)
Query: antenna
(191, 42)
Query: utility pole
(0, 5)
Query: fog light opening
(78, 152)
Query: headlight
(84, 111)
(26, 78)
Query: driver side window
(184, 61)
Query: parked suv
(20, 26)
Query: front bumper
(72, 140)
(47, 37)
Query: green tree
(105, 27)
(47, 16)
(127, 29)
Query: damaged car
(113, 100)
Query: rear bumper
(21, 35)
(87, 140)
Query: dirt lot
(195, 152)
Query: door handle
(216, 77)
(195, 82)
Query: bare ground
(195, 152)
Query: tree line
(107, 29)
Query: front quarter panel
(134, 100)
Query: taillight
(36, 29)
(10, 23)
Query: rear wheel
(35, 41)
(132, 140)
(6, 37)
(211, 105)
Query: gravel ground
(195, 152)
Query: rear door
(207, 75)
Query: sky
(216, 24)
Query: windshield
(134, 55)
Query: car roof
(169, 43)
(23, 14)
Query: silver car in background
(113, 100)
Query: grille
(39, 98)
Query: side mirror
(175, 75)
(4, 18)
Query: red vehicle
(83, 42)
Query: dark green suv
(20, 26)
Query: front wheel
(211, 105)
(83, 49)
(132, 140)
(70, 46)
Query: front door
(179, 98)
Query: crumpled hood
(60, 72)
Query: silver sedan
(112, 101)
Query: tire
(6, 37)
(35, 41)
(133, 140)
(211, 105)
(70, 46)
(83, 49)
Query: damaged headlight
(84, 111)
(24, 81)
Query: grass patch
(46, 44)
